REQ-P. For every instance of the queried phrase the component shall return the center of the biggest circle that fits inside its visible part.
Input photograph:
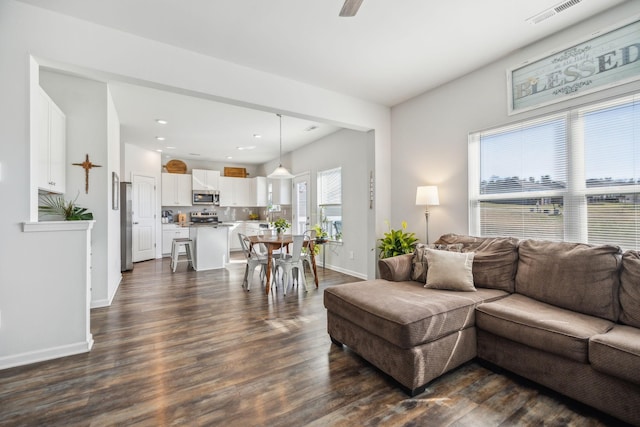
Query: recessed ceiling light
(229, 157)
(160, 138)
(194, 154)
(170, 148)
(159, 151)
(257, 135)
(161, 121)
(248, 147)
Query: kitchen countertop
(208, 224)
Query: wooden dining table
(276, 242)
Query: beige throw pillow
(419, 261)
(449, 270)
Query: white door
(144, 217)
(301, 204)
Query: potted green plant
(321, 235)
(56, 205)
(280, 225)
(397, 242)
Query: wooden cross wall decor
(86, 165)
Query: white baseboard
(362, 276)
(106, 302)
(100, 303)
(45, 354)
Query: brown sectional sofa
(565, 315)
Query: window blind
(572, 176)
(330, 187)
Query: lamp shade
(427, 195)
(280, 173)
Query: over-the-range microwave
(206, 198)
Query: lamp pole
(426, 217)
(427, 195)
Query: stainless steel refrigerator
(126, 242)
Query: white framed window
(330, 202)
(573, 176)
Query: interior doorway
(301, 204)
(143, 217)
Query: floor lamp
(427, 195)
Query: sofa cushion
(419, 261)
(450, 270)
(405, 313)
(575, 276)
(630, 289)
(542, 326)
(494, 262)
(395, 269)
(617, 353)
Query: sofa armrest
(396, 269)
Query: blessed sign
(612, 58)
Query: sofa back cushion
(419, 263)
(495, 260)
(630, 289)
(575, 276)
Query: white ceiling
(389, 52)
(201, 129)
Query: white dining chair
(254, 259)
(290, 262)
(307, 251)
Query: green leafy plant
(397, 242)
(56, 205)
(320, 233)
(280, 224)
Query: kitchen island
(210, 246)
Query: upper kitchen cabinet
(280, 191)
(235, 191)
(51, 141)
(259, 191)
(176, 189)
(245, 192)
(205, 180)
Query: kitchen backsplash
(227, 214)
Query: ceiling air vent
(548, 13)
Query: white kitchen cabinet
(234, 241)
(280, 191)
(51, 139)
(205, 180)
(235, 192)
(245, 192)
(240, 227)
(176, 189)
(259, 191)
(170, 232)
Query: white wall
(93, 129)
(114, 275)
(73, 45)
(353, 151)
(429, 132)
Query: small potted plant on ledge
(57, 206)
(397, 242)
(280, 225)
(321, 235)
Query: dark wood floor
(192, 348)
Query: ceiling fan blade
(350, 7)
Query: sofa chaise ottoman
(565, 315)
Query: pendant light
(281, 172)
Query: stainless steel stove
(204, 217)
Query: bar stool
(177, 244)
